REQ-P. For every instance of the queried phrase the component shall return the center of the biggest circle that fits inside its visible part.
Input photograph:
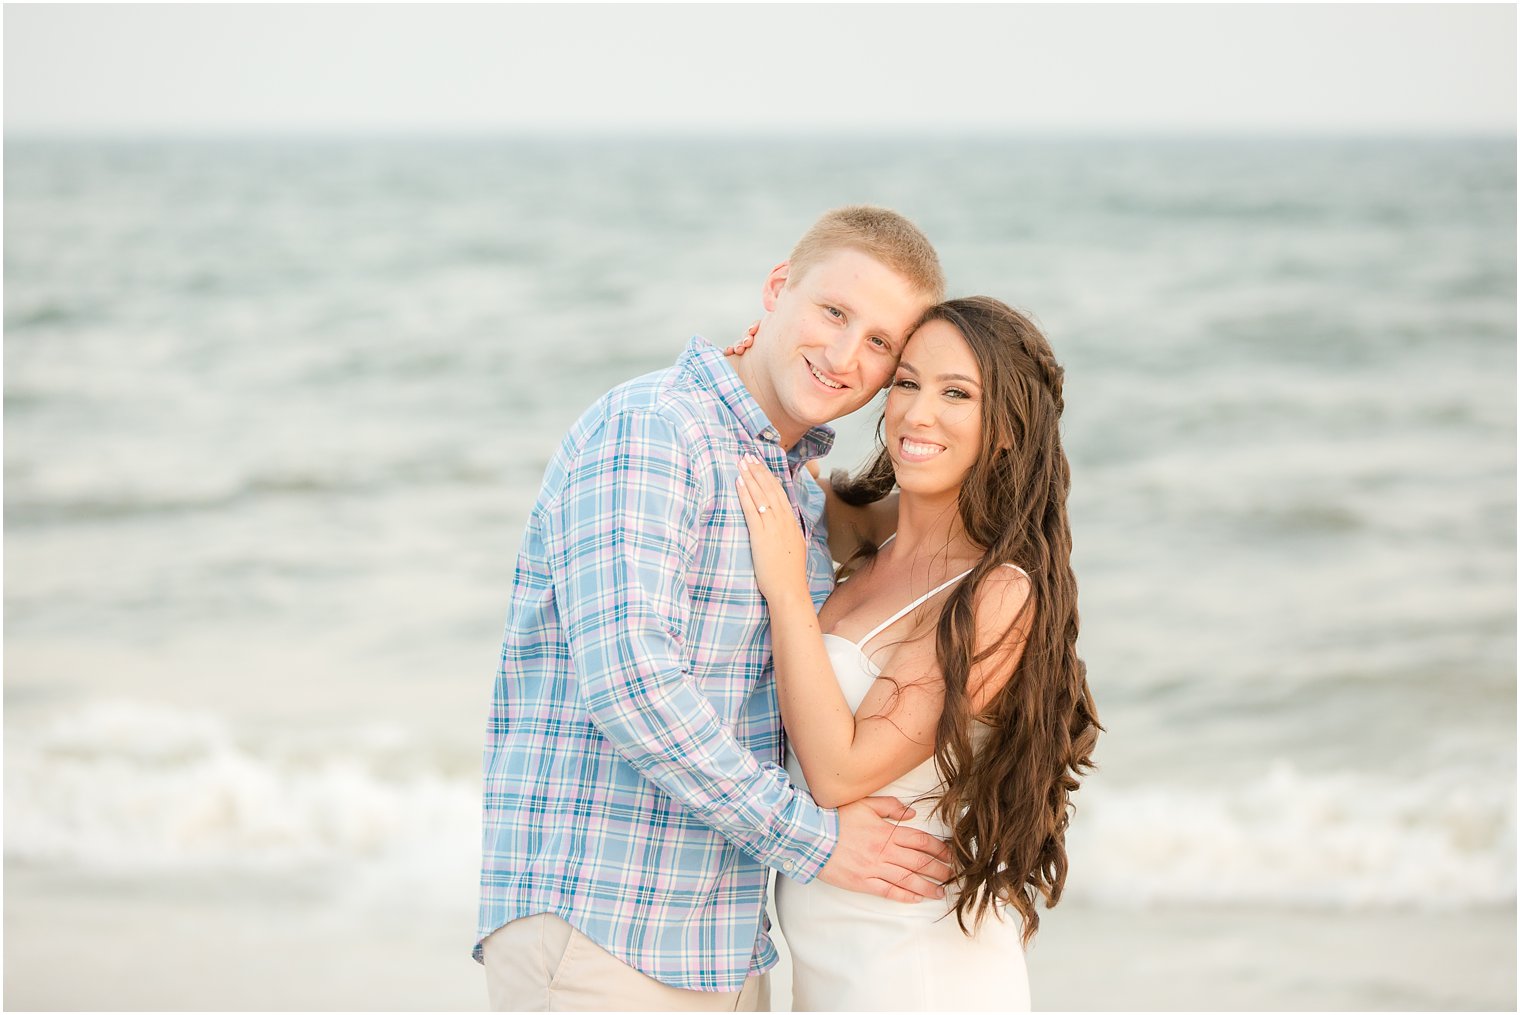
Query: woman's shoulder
(1002, 595)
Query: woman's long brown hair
(1007, 789)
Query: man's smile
(823, 378)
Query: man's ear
(774, 283)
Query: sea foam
(129, 787)
(1344, 840)
(126, 786)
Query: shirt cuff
(802, 840)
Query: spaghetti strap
(900, 614)
(921, 600)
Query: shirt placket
(777, 460)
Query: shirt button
(769, 433)
(789, 866)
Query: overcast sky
(997, 67)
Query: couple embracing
(687, 700)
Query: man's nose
(843, 351)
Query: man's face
(831, 338)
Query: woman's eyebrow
(905, 365)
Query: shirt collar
(713, 372)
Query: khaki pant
(541, 963)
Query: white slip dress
(857, 952)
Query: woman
(943, 668)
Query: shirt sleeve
(621, 549)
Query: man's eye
(880, 343)
(835, 312)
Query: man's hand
(877, 857)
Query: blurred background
(299, 301)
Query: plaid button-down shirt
(633, 766)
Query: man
(634, 794)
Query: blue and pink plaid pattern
(633, 779)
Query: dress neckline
(871, 667)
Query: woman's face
(934, 411)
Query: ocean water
(276, 409)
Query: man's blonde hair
(878, 233)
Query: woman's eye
(905, 384)
(956, 393)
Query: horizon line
(624, 131)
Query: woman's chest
(864, 600)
